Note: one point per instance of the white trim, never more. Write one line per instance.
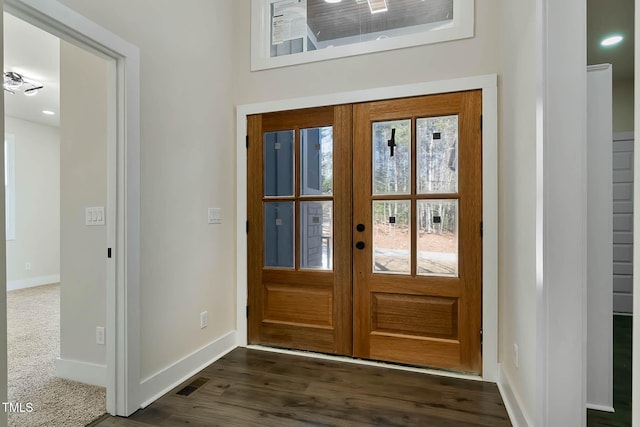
(354, 361)
(155, 386)
(512, 401)
(123, 293)
(601, 408)
(82, 372)
(561, 123)
(32, 282)
(488, 84)
(461, 27)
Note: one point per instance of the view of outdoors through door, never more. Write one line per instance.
(365, 230)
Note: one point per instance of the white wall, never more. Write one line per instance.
(187, 165)
(37, 173)
(83, 182)
(623, 105)
(442, 61)
(517, 177)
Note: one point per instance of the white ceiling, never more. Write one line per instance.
(36, 55)
(606, 17)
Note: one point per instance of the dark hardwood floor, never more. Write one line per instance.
(260, 388)
(622, 348)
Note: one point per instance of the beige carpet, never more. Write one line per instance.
(33, 340)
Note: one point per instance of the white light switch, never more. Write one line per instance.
(94, 216)
(214, 216)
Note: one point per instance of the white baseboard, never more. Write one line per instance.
(601, 408)
(83, 372)
(14, 285)
(512, 402)
(160, 383)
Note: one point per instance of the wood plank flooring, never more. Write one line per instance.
(259, 388)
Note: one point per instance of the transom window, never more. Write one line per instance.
(287, 32)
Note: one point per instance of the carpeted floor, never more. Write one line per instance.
(33, 340)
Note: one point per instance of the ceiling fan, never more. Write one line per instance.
(16, 82)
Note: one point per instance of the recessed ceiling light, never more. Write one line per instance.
(333, 1)
(48, 112)
(611, 40)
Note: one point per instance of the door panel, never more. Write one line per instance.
(417, 276)
(299, 211)
(364, 230)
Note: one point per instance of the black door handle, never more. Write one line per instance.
(360, 227)
(360, 245)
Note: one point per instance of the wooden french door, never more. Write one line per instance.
(399, 185)
(299, 236)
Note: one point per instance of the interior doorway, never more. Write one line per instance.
(389, 268)
(54, 366)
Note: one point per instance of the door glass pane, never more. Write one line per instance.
(438, 238)
(437, 146)
(392, 237)
(391, 157)
(278, 234)
(278, 163)
(316, 161)
(316, 235)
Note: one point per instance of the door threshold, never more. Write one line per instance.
(355, 361)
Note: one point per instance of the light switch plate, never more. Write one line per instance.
(214, 216)
(94, 215)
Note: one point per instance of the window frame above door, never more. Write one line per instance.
(462, 27)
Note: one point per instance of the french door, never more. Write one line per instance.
(365, 230)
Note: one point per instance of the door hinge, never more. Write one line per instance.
(481, 339)
(108, 252)
(247, 226)
(247, 141)
(481, 229)
(481, 122)
(247, 312)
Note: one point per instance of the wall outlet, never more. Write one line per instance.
(204, 319)
(27, 266)
(516, 356)
(100, 335)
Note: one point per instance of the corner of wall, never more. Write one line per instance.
(163, 381)
(515, 409)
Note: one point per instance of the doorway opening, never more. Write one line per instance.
(488, 364)
(57, 157)
(122, 210)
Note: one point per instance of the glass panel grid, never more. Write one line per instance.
(437, 154)
(437, 240)
(316, 235)
(316, 161)
(279, 163)
(391, 153)
(392, 237)
(279, 238)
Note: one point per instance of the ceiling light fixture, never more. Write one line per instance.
(48, 112)
(15, 82)
(333, 1)
(377, 6)
(611, 40)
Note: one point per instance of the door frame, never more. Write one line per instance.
(488, 85)
(123, 190)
